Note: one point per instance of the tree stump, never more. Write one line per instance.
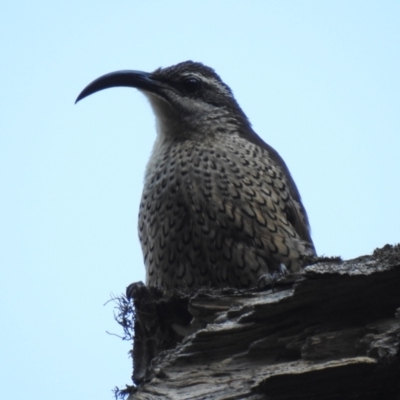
(333, 334)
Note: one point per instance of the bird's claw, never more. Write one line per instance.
(270, 279)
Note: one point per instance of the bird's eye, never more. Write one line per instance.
(191, 85)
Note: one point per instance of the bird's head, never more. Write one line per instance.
(186, 98)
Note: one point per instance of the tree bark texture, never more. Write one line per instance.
(332, 334)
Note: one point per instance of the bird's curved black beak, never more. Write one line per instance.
(127, 78)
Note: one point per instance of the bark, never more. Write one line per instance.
(333, 334)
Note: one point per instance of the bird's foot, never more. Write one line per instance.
(269, 280)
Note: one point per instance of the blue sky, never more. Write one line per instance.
(319, 81)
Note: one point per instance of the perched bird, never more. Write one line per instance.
(219, 207)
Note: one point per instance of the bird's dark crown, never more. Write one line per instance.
(190, 70)
(186, 67)
(196, 81)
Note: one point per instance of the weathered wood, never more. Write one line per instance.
(334, 334)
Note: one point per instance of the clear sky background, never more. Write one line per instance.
(319, 80)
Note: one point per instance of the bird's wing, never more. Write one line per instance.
(295, 211)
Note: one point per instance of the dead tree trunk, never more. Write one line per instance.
(334, 334)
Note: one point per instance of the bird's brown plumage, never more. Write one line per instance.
(219, 206)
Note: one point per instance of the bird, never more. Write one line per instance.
(219, 207)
